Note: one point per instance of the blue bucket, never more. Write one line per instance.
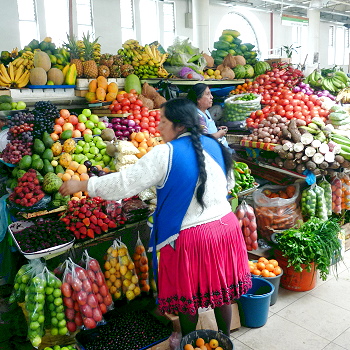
(254, 306)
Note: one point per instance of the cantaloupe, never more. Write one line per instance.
(42, 59)
(56, 76)
(38, 76)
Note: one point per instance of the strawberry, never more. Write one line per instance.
(112, 224)
(93, 219)
(83, 209)
(17, 201)
(93, 226)
(90, 233)
(83, 201)
(21, 195)
(98, 230)
(77, 235)
(79, 224)
(31, 186)
(83, 230)
(86, 221)
(81, 216)
(104, 227)
(28, 195)
(96, 212)
(102, 215)
(100, 222)
(40, 196)
(88, 213)
(36, 182)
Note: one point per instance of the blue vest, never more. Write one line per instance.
(174, 197)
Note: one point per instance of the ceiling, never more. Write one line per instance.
(330, 10)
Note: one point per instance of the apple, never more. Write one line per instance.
(94, 118)
(86, 112)
(88, 138)
(96, 131)
(101, 125)
(89, 124)
(21, 105)
(14, 105)
(82, 118)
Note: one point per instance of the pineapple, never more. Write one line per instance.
(115, 71)
(118, 60)
(104, 71)
(75, 51)
(89, 65)
(126, 69)
(106, 60)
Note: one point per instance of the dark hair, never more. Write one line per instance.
(183, 112)
(196, 92)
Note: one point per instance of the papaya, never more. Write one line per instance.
(132, 81)
(93, 85)
(65, 70)
(226, 37)
(71, 75)
(38, 146)
(100, 94)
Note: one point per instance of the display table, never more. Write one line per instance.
(191, 82)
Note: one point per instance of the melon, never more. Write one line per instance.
(239, 71)
(56, 76)
(42, 59)
(38, 76)
(132, 81)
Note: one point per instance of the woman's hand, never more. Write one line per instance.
(73, 186)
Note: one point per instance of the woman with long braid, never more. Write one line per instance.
(203, 259)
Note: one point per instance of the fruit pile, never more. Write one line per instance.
(143, 142)
(45, 233)
(101, 90)
(86, 217)
(20, 135)
(200, 344)
(264, 267)
(28, 191)
(45, 114)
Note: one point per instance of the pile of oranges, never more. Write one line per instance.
(143, 142)
(200, 344)
(264, 267)
(242, 89)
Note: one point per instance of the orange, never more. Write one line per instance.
(98, 166)
(60, 175)
(107, 265)
(82, 169)
(132, 135)
(112, 289)
(203, 347)
(273, 262)
(144, 268)
(123, 270)
(269, 267)
(200, 342)
(139, 137)
(107, 274)
(64, 113)
(135, 143)
(207, 346)
(263, 260)
(272, 274)
(277, 270)
(265, 273)
(140, 249)
(188, 347)
(251, 268)
(256, 272)
(112, 278)
(136, 257)
(260, 265)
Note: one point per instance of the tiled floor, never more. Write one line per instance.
(315, 320)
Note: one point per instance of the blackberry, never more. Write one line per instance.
(45, 114)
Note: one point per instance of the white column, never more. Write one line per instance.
(200, 13)
(314, 34)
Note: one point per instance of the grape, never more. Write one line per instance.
(45, 114)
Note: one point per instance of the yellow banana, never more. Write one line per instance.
(154, 54)
(163, 58)
(18, 61)
(24, 79)
(19, 73)
(11, 71)
(149, 51)
(5, 76)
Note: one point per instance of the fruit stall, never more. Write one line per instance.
(83, 277)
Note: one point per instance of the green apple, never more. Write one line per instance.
(98, 157)
(100, 145)
(94, 118)
(81, 143)
(101, 125)
(103, 151)
(98, 139)
(58, 301)
(60, 308)
(86, 112)
(21, 105)
(48, 348)
(82, 118)
(78, 149)
(94, 150)
(90, 125)
(96, 131)
(53, 313)
(106, 159)
(39, 298)
(13, 105)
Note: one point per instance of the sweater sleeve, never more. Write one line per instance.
(150, 170)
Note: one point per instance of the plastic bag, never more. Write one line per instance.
(336, 194)
(40, 205)
(237, 110)
(308, 202)
(130, 281)
(175, 340)
(22, 279)
(274, 214)
(112, 271)
(99, 285)
(141, 265)
(35, 300)
(327, 188)
(88, 303)
(72, 312)
(167, 90)
(246, 218)
(345, 179)
(321, 209)
(54, 308)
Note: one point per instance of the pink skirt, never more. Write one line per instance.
(208, 267)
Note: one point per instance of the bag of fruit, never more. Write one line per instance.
(337, 194)
(327, 188)
(86, 298)
(99, 285)
(54, 308)
(35, 300)
(112, 271)
(22, 279)
(129, 277)
(321, 209)
(141, 265)
(308, 202)
(246, 217)
(345, 180)
(72, 311)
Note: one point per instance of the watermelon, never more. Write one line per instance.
(239, 71)
(249, 71)
(261, 67)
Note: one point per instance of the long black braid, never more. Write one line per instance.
(183, 112)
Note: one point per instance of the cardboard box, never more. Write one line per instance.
(80, 93)
(277, 60)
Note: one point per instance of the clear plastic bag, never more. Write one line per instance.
(308, 202)
(237, 110)
(112, 271)
(54, 308)
(321, 209)
(336, 194)
(327, 188)
(99, 285)
(141, 265)
(246, 217)
(345, 179)
(130, 281)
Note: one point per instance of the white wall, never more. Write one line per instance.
(109, 30)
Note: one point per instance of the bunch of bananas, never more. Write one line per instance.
(14, 77)
(333, 82)
(314, 79)
(343, 96)
(146, 60)
(26, 60)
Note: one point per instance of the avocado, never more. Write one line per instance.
(48, 141)
(35, 156)
(67, 134)
(20, 173)
(38, 147)
(47, 154)
(25, 162)
(5, 99)
(37, 164)
(59, 169)
(48, 168)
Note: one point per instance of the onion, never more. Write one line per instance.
(131, 123)
(118, 133)
(122, 127)
(131, 130)
(137, 128)
(126, 133)
(115, 120)
(296, 89)
(302, 85)
(124, 121)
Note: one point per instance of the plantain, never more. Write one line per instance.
(4, 74)
(11, 71)
(19, 72)
(23, 80)
(163, 58)
(18, 61)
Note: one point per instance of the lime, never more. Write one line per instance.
(63, 331)
(54, 331)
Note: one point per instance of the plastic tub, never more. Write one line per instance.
(224, 341)
(254, 306)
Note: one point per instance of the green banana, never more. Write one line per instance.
(342, 76)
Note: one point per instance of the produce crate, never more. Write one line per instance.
(255, 144)
(278, 60)
(43, 212)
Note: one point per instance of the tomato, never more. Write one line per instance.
(103, 290)
(94, 287)
(94, 265)
(308, 120)
(89, 323)
(156, 122)
(66, 290)
(137, 116)
(110, 107)
(97, 314)
(139, 102)
(151, 118)
(71, 326)
(297, 108)
(131, 117)
(144, 114)
(152, 124)
(117, 106)
(266, 109)
(318, 102)
(77, 285)
(297, 115)
(137, 121)
(100, 279)
(152, 130)
(129, 95)
(92, 300)
(108, 299)
(78, 320)
(190, 76)
(136, 107)
(120, 112)
(103, 308)
(125, 102)
(152, 113)
(132, 99)
(70, 314)
(133, 91)
(289, 114)
(68, 302)
(126, 109)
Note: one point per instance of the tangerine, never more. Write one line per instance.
(269, 267)
(200, 342)
(188, 347)
(273, 262)
(260, 266)
(277, 270)
(263, 260)
(139, 137)
(256, 272)
(213, 343)
(265, 273)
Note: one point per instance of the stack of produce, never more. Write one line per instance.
(308, 90)
(313, 203)
(340, 119)
(7, 104)
(264, 267)
(101, 90)
(145, 61)
(15, 76)
(45, 114)
(87, 217)
(243, 178)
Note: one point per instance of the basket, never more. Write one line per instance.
(233, 139)
(207, 334)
